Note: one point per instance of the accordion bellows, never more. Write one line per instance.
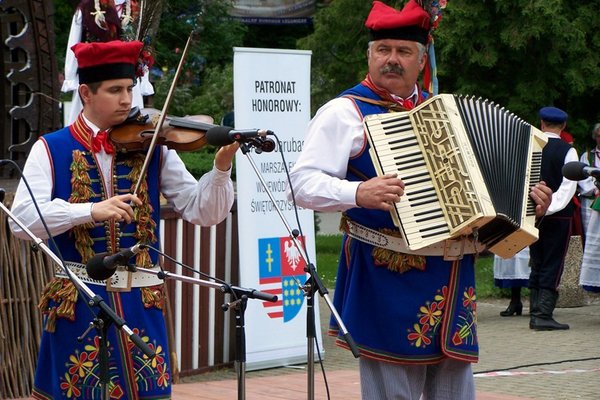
(468, 166)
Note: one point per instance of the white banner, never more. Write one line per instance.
(272, 91)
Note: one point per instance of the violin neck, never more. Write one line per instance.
(187, 123)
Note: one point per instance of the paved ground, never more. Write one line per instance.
(516, 363)
(541, 365)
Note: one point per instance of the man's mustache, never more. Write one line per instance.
(397, 69)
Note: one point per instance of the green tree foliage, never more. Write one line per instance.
(63, 14)
(215, 37)
(524, 54)
(211, 50)
(338, 46)
(521, 54)
(216, 93)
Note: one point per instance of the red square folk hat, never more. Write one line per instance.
(410, 23)
(101, 61)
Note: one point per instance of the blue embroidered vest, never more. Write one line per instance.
(110, 236)
(416, 316)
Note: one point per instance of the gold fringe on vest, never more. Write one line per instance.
(64, 294)
(143, 214)
(153, 296)
(81, 192)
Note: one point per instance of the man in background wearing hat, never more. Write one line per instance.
(84, 191)
(548, 253)
(412, 316)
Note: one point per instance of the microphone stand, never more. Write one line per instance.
(312, 285)
(101, 322)
(241, 296)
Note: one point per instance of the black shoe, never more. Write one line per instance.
(541, 319)
(543, 324)
(512, 309)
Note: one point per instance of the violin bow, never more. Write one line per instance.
(162, 116)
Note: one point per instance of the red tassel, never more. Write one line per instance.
(427, 78)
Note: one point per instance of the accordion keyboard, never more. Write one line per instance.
(398, 150)
(468, 166)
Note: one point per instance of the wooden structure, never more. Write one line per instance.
(23, 274)
(29, 94)
(202, 335)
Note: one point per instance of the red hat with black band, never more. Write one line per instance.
(411, 23)
(101, 61)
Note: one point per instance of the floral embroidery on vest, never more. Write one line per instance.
(153, 296)
(81, 381)
(82, 192)
(431, 315)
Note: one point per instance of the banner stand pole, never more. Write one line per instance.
(312, 285)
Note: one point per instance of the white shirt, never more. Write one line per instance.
(567, 188)
(587, 186)
(334, 136)
(204, 202)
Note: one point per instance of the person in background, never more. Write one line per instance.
(590, 209)
(577, 224)
(411, 314)
(103, 21)
(566, 136)
(512, 273)
(587, 189)
(84, 189)
(548, 253)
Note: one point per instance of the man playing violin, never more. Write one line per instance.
(84, 190)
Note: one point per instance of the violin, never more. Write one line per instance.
(158, 126)
(177, 133)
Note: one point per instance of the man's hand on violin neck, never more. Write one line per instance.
(118, 208)
(224, 156)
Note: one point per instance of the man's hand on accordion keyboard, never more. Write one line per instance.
(542, 196)
(380, 192)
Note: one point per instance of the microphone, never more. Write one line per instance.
(102, 266)
(577, 171)
(264, 144)
(224, 135)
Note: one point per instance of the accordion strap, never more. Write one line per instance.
(390, 105)
(451, 249)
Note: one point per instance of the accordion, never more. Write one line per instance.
(468, 166)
